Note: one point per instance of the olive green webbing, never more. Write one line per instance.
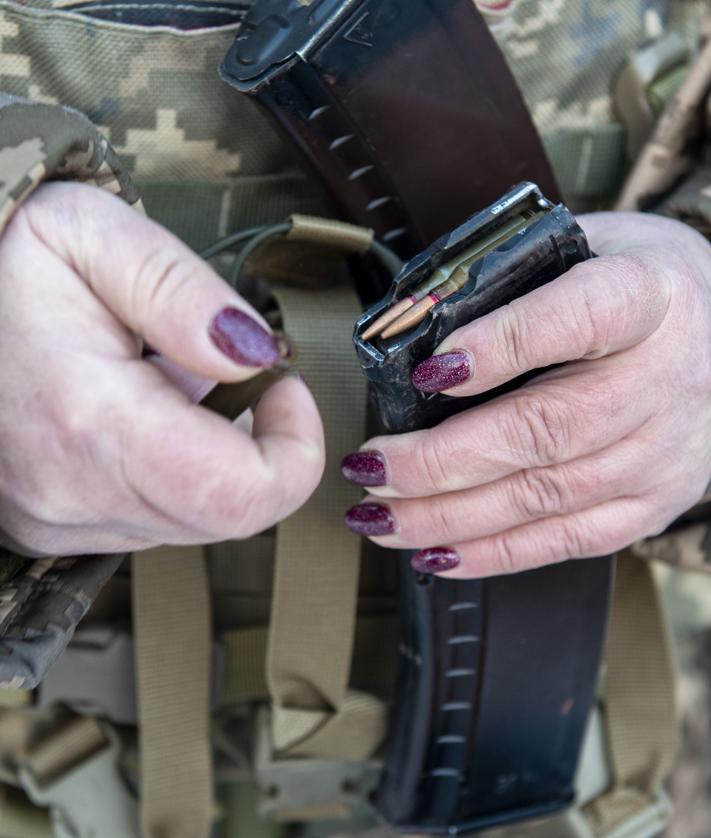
(21, 819)
(201, 212)
(313, 612)
(589, 161)
(173, 648)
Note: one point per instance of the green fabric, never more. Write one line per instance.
(589, 162)
(239, 802)
(664, 88)
(199, 212)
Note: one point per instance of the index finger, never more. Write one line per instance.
(599, 307)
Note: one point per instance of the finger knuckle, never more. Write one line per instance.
(239, 513)
(539, 493)
(76, 422)
(540, 427)
(513, 337)
(433, 461)
(593, 321)
(639, 285)
(575, 541)
(441, 518)
(505, 559)
(160, 276)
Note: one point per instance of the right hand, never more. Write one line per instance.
(100, 450)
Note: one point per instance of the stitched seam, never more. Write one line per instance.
(142, 7)
(135, 32)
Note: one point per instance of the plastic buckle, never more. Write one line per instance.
(632, 87)
(95, 675)
(320, 788)
(650, 822)
(90, 799)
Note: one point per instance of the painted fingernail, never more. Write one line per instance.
(366, 468)
(440, 372)
(243, 340)
(370, 519)
(435, 560)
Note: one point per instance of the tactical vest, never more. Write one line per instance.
(277, 655)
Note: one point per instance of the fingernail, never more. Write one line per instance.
(435, 560)
(243, 340)
(370, 519)
(440, 372)
(366, 468)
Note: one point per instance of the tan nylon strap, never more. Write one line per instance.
(317, 560)
(66, 747)
(330, 233)
(662, 160)
(310, 253)
(244, 676)
(639, 698)
(172, 629)
(354, 732)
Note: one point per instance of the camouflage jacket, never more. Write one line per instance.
(125, 96)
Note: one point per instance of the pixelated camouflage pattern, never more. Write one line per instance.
(40, 608)
(153, 93)
(564, 53)
(154, 107)
(42, 142)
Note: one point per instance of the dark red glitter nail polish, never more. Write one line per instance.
(435, 560)
(243, 340)
(371, 519)
(440, 372)
(366, 468)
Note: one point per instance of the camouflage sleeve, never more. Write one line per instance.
(686, 544)
(49, 142)
(42, 600)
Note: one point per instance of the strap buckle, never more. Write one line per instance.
(294, 788)
(95, 676)
(649, 822)
(89, 797)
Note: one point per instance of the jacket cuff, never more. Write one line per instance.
(40, 608)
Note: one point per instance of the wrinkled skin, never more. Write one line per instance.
(101, 450)
(586, 458)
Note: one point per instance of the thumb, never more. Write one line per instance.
(153, 283)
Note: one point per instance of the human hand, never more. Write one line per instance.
(585, 458)
(100, 451)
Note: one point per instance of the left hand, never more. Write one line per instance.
(582, 460)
